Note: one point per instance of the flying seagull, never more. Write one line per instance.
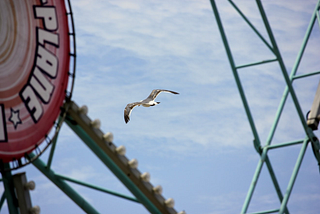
(149, 101)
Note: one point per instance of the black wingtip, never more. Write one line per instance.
(126, 119)
(173, 92)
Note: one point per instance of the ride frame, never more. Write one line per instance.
(263, 150)
(100, 144)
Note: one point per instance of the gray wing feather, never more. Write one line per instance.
(128, 110)
(156, 92)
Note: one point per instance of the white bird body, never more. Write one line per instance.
(149, 101)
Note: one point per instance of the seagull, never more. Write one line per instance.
(149, 101)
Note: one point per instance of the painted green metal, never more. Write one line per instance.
(113, 167)
(288, 90)
(97, 188)
(294, 176)
(9, 190)
(251, 25)
(293, 73)
(256, 140)
(3, 198)
(279, 145)
(72, 194)
(266, 212)
(107, 152)
(318, 17)
(275, 181)
(256, 63)
(54, 143)
(305, 75)
(254, 181)
(282, 66)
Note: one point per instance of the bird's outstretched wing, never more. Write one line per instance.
(155, 92)
(128, 109)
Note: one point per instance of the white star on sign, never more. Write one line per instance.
(14, 118)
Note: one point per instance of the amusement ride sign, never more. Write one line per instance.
(34, 66)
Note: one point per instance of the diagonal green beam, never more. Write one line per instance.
(294, 176)
(251, 25)
(254, 181)
(318, 17)
(9, 189)
(293, 73)
(256, 141)
(97, 188)
(54, 142)
(3, 198)
(305, 75)
(113, 167)
(118, 163)
(282, 66)
(73, 195)
(275, 182)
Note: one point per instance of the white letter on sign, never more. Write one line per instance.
(47, 62)
(48, 14)
(32, 103)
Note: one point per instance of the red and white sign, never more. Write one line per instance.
(34, 66)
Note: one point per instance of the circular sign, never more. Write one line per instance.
(34, 65)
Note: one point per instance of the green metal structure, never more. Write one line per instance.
(100, 144)
(111, 156)
(137, 183)
(263, 150)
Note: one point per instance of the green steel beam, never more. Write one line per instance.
(97, 188)
(275, 182)
(293, 73)
(289, 89)
(54, 142)
(254, 181)
(72, 194)
(256, 141)
(3, 198)
(266, 212)
(318, 17)
(305, 75)
(280, 145)
(251, 25)
(282, 66)
(9, 192)
(256, 63)
(263, 153)
(294, 176)
(81, 124)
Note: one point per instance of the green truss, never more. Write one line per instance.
(263, 150)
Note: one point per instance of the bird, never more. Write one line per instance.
(149, 101)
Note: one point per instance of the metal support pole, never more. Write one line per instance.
(294, 176)
(282, 66)
(3, 198)
(256, 140)
(292, 75)
(54, 143)
(97, 188)
(9, 189)
(73, 195)
(113, 167)
(275, 182)
(254, 181)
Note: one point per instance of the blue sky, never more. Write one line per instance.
(197, 145)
